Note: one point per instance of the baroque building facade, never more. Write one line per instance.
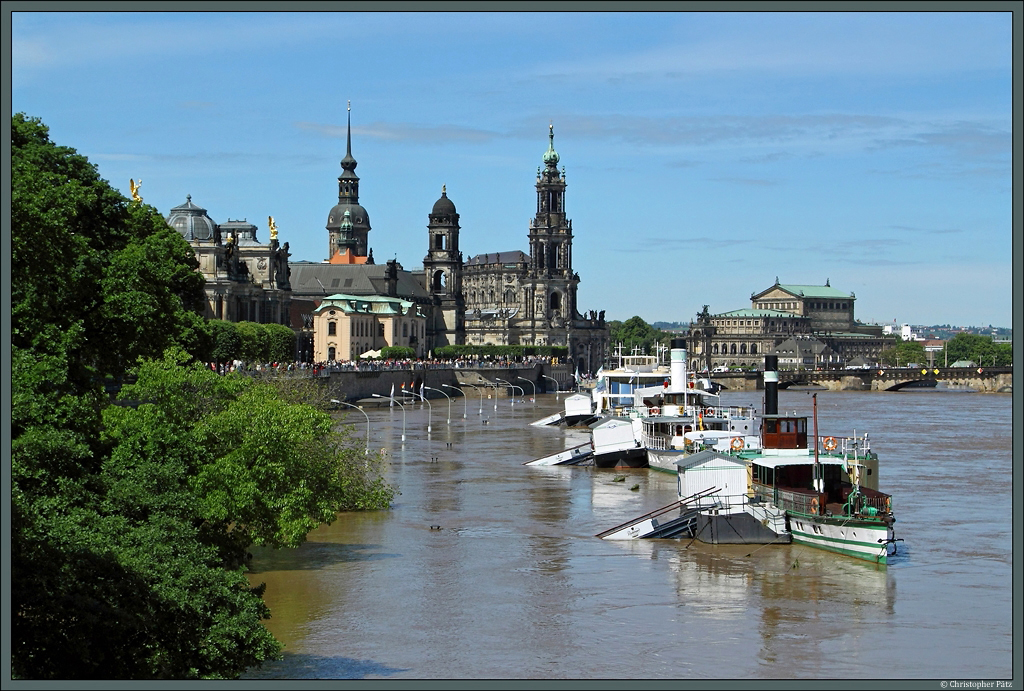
(246, 280)
(818, 319)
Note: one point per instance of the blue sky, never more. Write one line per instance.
(705, 153)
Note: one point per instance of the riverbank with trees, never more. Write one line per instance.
(131, 519)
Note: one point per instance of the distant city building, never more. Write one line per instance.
(347, 326)
(741, 338)
(905, 331)
(246, 280)
(805, 352)
(503, 298)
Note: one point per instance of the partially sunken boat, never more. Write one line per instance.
(823, 494)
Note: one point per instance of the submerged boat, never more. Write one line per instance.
(821, 491)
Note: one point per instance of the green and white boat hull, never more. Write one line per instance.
(870, 539)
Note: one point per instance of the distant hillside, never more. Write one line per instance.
(670, 326)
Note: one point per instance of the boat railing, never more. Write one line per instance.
(727, 412)
(848, 447)
(807, 501)
(656, 443)
(688, 503)
(870, 499)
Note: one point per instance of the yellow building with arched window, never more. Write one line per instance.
(346, 326)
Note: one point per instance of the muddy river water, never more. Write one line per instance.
(486, 569)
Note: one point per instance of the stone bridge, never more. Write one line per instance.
(982, 379)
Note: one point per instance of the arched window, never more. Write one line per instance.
(510, 296)
(714, 349)
(439, 242)
(753, 349)
(439, 282)
(405, 329)
(743, 348)
(732, 349)
(330, 353)
(332, 328)
(556, 302)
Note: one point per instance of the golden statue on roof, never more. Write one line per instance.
(134, 187)
(273, 227)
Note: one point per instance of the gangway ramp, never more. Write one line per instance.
(573, 456)
(656, 524)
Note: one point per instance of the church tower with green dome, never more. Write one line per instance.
(551, 275)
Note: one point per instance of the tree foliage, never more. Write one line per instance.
(903, 354)
(636, 333)
(978, 349)
(130, 522)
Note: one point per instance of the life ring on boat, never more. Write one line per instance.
(710, 412)
(655, 411)
(830, 443)
(814, 505)
(736, 443)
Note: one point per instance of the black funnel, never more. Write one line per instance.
(771, 384)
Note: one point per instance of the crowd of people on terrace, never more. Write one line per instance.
(373, 365)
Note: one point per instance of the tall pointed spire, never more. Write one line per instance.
(349, 163)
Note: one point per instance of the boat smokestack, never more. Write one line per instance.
(771, 384)
(678, 364)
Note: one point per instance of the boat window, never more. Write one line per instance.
(801, 425)
(769, 426)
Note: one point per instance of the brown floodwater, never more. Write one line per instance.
(487, 569)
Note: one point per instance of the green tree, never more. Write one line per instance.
(281, 343)
(636, 333)
(227, 346)
(127, 536)
(903, 354)
(253, 342)
(973, 347)
(397, 353)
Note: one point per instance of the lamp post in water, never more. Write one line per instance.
(465, 413)
(513, 396)
(377, 395)
(430, 409)
(431, 388)
(534, 397)
(556, 384)
(360, 409)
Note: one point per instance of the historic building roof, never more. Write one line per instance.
(443, 206)
(513, 257)
(192, 221)
(806, 291)
(318, 280)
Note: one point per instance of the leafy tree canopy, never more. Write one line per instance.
(130, 522)
(636, 333)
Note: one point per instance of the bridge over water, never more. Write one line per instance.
(982, 379)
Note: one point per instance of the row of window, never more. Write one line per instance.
(363, 328)
(731, 349)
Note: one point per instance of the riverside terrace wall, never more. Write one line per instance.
(352, 386)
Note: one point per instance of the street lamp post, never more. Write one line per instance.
(430, 410)
(556, 384)
(431, 388)
(360, 409)
(392, 398)
(531, 384)
(465, 413)
(510, 387)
